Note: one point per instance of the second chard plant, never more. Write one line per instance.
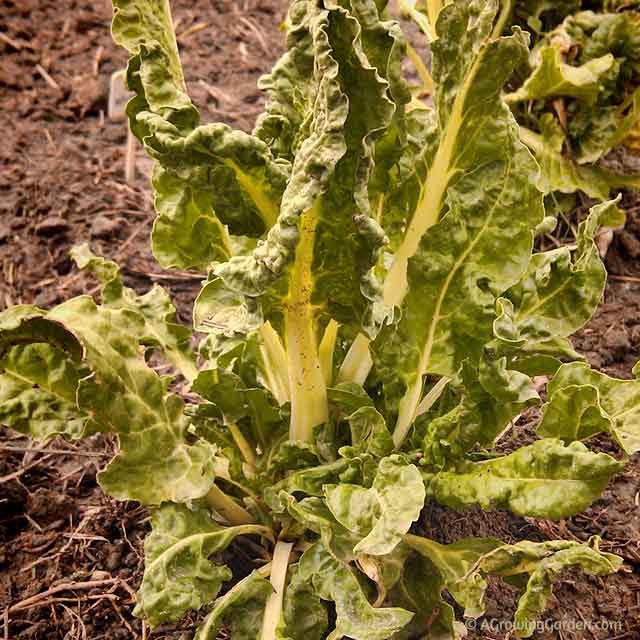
(373, 319)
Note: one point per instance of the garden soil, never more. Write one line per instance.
(71, 558)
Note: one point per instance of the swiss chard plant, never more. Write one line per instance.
(577, 95)
(372, 322)
(581, 92)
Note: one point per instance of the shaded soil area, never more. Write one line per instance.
(71, 557)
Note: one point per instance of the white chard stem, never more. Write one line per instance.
(357, 363)
(273, 609)
(274, 359)
(227, 507)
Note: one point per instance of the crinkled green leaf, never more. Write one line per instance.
(145, 28)
(38, 384)
(24, 324)
(478, 417)
(479, 201)
(453, 562)
(545, 479)
(179, 574)
(313, 514)
(543, 561)
(316, 261)
(305, 617)
(540, 14)
(588, 63)
(156, 462)
(227, 391)
(186, 234)
(289, 86)
(230, 170)
(155, 306)
(311, 481)
(369, 432)
(383, 513)
(348, 397)
(604, 128)
(552, 77)
(208, 176)
(220, 311)
(419, 590)
(385, 571)
(241, 609)
(584, 402)
(562, 173)
(464, 564)
(356, 618)
(560, 290)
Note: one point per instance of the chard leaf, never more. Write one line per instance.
(552, 77)
(348, 398)
(543, 561)
(311, 481)
(156, 463)
(453, 562)
(356, 618)
(145, 29)
(383, 513)
(369, 432)
(305, 617)
(178, 574)
(419, 590)
(241, 609)
(584, 402)
(445, 275)
(289, 86)
(539, 587)
(608, 126)
(562, 173)
(545, 480)
(228, 393)
(201, 171)
(38, 387)
(477, 418)
(464, 565)
(314, 515)
(560, 291)
(186, 234)
(230, 170)
(223, 312)
(155, 306)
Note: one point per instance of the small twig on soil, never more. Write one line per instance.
(97, 59)
(23, 470)
(117, 609)
(217, 94)
(183, 275)
(10, 41)
(47, 78)
(623, 278)
(134, 234)
(62, 452)
(258, 34)
(191, 30)
(49, 138)
(67, 586)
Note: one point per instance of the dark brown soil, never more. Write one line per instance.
(70, 557)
